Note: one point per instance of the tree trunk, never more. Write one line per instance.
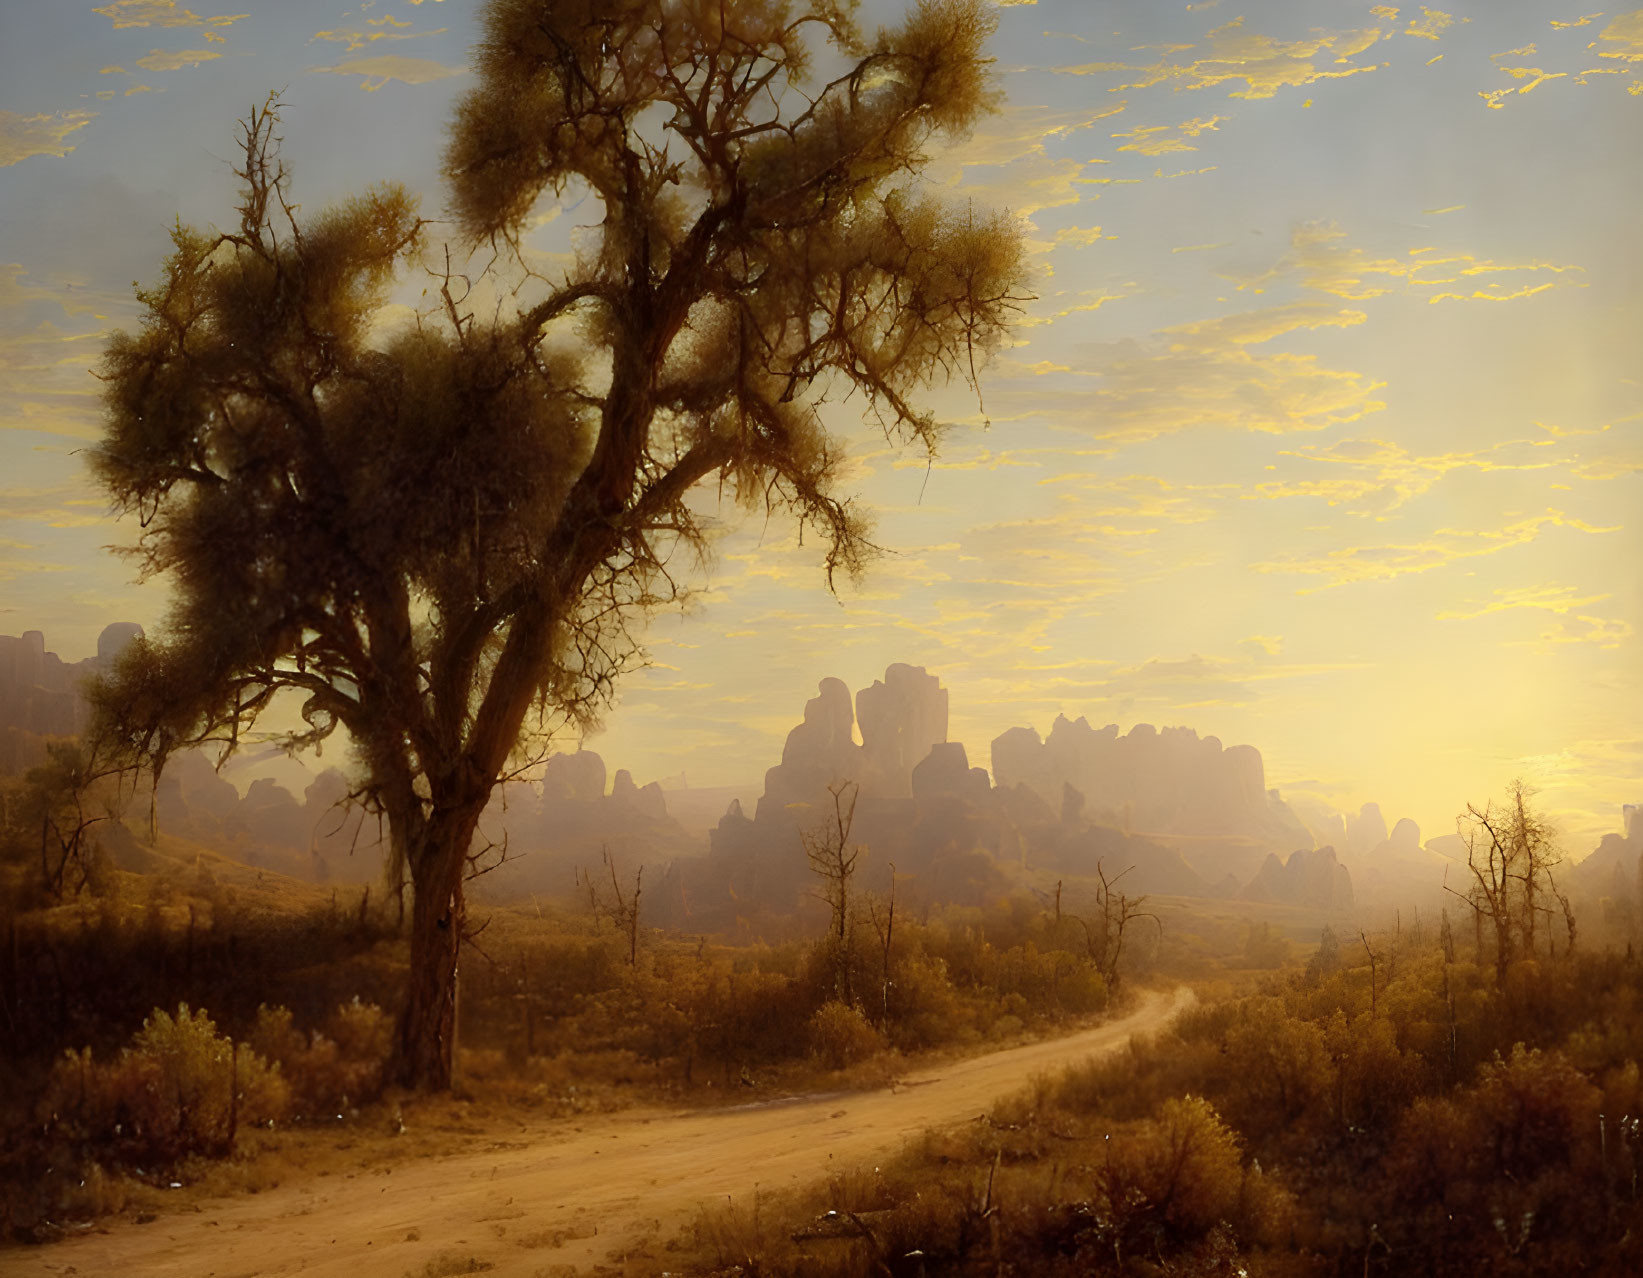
(426, 1045)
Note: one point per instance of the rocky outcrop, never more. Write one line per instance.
(579, 775)
(902, 717)
(648, 800)
(819, 752)
(1615, 867)
(1313, 878)
(40, 693)
(946, 773)
(1396, 867)
(269, 813)
(114, 639)
(1366, 830)
(1451, 847)
(1160, 782)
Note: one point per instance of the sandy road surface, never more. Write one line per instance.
(529, 1206)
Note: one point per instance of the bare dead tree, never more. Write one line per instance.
(1562, 899)
(834, 858)
(621, 908)
(1374, 961)
(1104, 937)
(1510, 853)
(884, 923)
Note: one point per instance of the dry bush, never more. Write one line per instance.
(180, 1088)
(331, 1069)
(925, 1009)
(841, 1036)
(1175, 1178)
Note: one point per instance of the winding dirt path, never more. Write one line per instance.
(531, 1207)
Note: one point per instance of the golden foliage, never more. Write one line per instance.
(179, 1088)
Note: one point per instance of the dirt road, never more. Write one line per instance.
(530, 1206)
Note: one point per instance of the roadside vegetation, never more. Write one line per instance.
(199, 1011)
(1403, 1101)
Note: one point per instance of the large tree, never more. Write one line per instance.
(440, 537)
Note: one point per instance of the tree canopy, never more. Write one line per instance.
(429, 532)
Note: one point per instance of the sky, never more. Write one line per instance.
(1324, 431)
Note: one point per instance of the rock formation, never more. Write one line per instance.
(1615, 867)
(820, 751)
(1313, 878)
(40, 692)
(946, 773)
(1158, 782)
(648, 800)
(902, 717)
(1451, 847)
(1366, 830)
(580, 775)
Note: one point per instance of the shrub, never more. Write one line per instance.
(329, 1070)
(1171, 1180)
(840, 1035)
(924, 1007)
(180, 1088)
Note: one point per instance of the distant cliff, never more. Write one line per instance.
(40, 692)
(1149, 781)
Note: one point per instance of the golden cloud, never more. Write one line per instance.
(45, 383)
(1431, 24)
(53, 506)
(1549, 598)
(1034, 183)
(1017, 133)
(1091, 299)
(160, 13)
(1147, 499)
(1382, 476)
(1262, 64)
(1161, 139)
(1347, 564)
(1611, 467)
(159, 60)
(392, 67)
(1320, 256)
(360, 39)
(24, 135)
(1209, 375)
(1079, 236)
(14, 566)
(1601, 632)
(73, 298)
(1625, 32)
